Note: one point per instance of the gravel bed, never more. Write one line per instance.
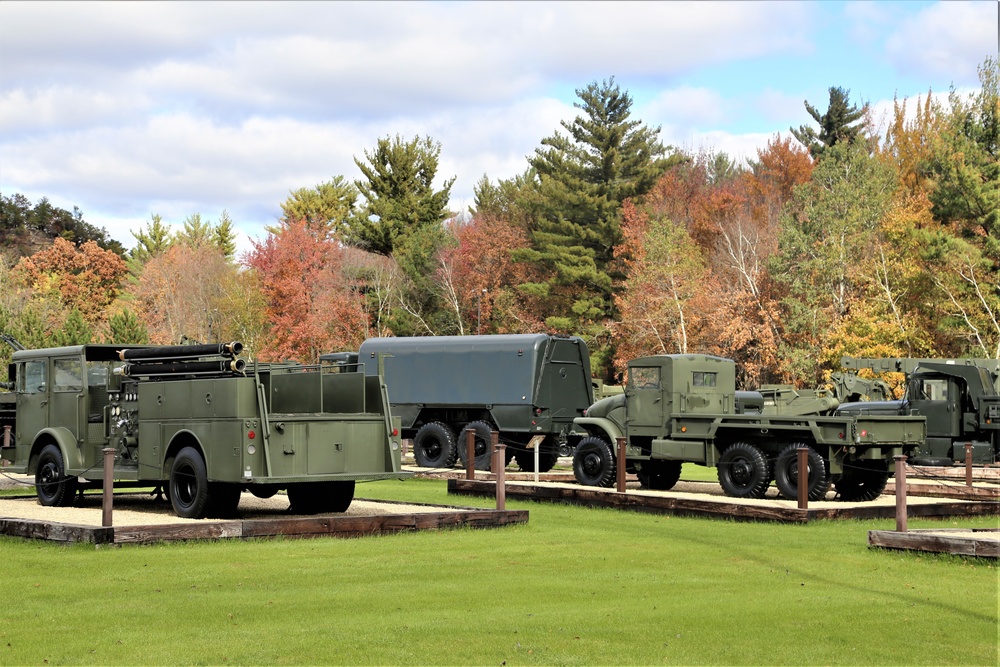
(142, 509)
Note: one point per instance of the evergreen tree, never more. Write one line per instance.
(966, 163)
(327, 206)
(74, 331)
(583, 178)
(399, 194)
(841, 122)
(224, 237)
(126, 328)
(152, 240)
(196, 232)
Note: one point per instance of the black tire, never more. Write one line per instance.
(434, 446)
(932, 462)
(263, 491)
(224, 499)
(53, 487)
(862, 481)
(659, 475)
(593, 463)
(743, 471)
(481, 445)
(189, 491)
(786, 473)
(321, 497)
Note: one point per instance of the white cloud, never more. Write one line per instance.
(686, 106)
(948, 38)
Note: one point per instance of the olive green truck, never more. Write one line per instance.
(198, 422)
(685, 408)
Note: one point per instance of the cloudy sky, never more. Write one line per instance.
(126, 109)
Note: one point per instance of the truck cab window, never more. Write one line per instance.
(644, 378)
(33, 378)
(703, 379)
(68, 375)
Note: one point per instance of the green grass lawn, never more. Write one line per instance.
(573, 586)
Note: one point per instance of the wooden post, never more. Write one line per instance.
(968, 464)
(6, 435)
(407, 446)
(621, 465)
(470, 453)
(900, 493)
(499, 461)
(803, 478)
(109, 486)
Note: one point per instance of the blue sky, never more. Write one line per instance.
(126, 109)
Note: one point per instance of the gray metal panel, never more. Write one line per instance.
(457, 370)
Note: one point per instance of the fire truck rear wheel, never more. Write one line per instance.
(189, 484)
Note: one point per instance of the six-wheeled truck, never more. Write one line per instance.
(529, 387)
(200, 423)
(959, 398)
(685, 408)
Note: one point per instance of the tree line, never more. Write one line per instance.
(837, 240)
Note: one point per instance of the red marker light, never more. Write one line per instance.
(251, 435)
(395, 431)
(864, 433)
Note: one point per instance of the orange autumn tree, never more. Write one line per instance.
(311, 305)
(663, 296)
(179, 294)
(87, 279)
(478, 278)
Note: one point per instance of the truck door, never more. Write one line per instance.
(940, 399)
(32, 402)
(67, 396)
(644, 397)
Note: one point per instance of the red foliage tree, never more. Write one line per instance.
(311, 306)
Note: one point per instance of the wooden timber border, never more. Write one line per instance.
(287, 526)
(978, 542)
(663, 502)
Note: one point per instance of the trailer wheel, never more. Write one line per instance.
(189, 484)
(786, 473)
(861, 483)
(481, 444)
(659, 475)
(53, 487)
(593, 463)
(743, 471)
(320, 497)
(434, 446)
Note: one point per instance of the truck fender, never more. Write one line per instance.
(64, 440)
(178, 441)
(601, 427)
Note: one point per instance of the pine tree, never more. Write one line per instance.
(399, 194)
(224, 236)
(583, 178)
(841, 122)
(125, 327)
(329, 205)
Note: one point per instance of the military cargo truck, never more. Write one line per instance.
(685, 408)
(959, 399)
(529, 387)
(199, 422)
